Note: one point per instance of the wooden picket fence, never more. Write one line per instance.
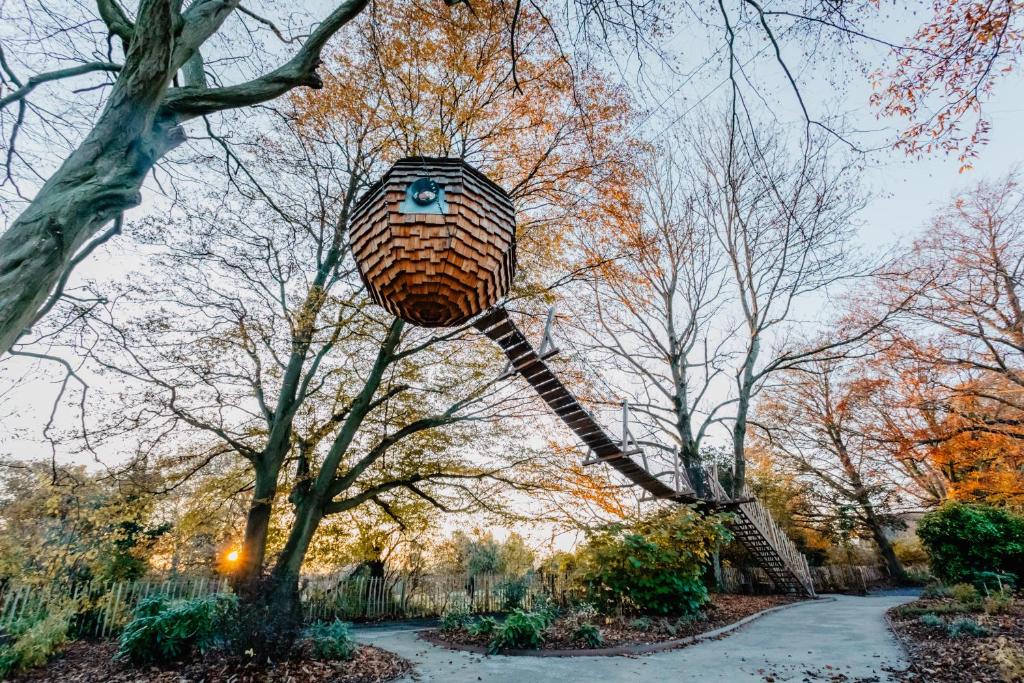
(100, 609)
(413, 596)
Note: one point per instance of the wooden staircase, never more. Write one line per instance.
(756, 530)
(753, 525)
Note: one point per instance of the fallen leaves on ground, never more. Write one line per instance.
(937, 657)
(90, 662)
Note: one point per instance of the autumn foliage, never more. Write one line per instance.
(946, 70)
(950, 387)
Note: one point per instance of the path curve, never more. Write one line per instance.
(814, 641)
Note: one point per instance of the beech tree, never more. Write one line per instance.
(163, 64)
(949, 379)
(141, 121)
(964, 329)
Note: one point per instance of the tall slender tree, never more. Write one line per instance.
(697, 284)
(814, 419)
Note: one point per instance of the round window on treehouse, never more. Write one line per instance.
(434, 240)
(424, 191)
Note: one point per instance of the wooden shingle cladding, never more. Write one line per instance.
(431, 269)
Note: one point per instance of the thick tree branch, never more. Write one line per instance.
(186, 103)
(116, 20)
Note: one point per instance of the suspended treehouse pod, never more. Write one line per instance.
(435, 244)
(435, 241)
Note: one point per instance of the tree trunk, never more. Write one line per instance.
(885, 549)
(271, 605)
(100, 180)
(863, 499)
(96, 183)
(739, 440)
(257, 524)
(739, 429)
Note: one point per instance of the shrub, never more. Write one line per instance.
(993, 581)
(515, 592)
(641, 624)
(931, 620)
(589, 635)
(484, 626)
(32, 643)
(965, 626)
(547, 608)
(965, 540)
(455, 618)
(998, 603)
(581, 614)
(936, 590)
(520, 631)
(330, 640)
(945, 608)
(654, 565)
(163, 630)
(965, 593)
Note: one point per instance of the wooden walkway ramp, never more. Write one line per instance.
(753, 527)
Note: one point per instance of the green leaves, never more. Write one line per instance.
(973, 543)
(520, 631)
(589, 635)
(330, 640)
(163, 630)
(654, 564)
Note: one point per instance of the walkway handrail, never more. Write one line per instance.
(525, 360)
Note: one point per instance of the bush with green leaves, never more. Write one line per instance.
(589, 635)
(965, 626)
(514, 591)
(455, 618)
(641, 624)
(932, 620)
(654, 565)
(936, 590)
(967, 542)
(520, 631)
(484, 626)
(164, 630)
(993, 581)
(547, 608)
(330, 640)
(30, 643)
(965, 593)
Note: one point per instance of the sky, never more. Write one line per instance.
(904, 192)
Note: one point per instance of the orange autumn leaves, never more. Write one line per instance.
(946, 70)
(949, 385)
(420, 77)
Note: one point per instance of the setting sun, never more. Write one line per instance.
(233, 556)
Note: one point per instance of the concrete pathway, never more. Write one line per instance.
(843, 640)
